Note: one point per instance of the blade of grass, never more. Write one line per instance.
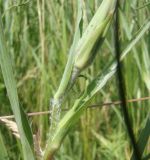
(121, 85)
(68, 69)
(57, 100)
(143, 138)
(20, 116)
(3, 150)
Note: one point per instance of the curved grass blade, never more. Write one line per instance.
(20, 116)
(68, 69)
(57, 100)
(79, 106)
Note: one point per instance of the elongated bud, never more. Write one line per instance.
(94, 35)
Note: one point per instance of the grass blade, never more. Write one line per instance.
(20, 117)
(57, 100)
(68, 69)
(143, 138)
(3, 150)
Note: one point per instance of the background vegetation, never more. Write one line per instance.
(39, 34)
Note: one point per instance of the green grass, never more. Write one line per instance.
(38, 36)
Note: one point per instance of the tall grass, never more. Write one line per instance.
(20, 117)
(36, 38)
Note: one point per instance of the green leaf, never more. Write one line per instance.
(20, 116)
(65, 81)
(68, 69)
(3, 150)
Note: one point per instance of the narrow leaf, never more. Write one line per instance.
(143, 138)
(3, 150)
(65, 81)
(20, 117)
(68, 69)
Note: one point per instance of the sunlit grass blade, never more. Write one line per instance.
(57, 100)
(68, 69)
(20, 116)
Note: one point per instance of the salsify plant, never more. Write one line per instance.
(79, 106)
(82, 53)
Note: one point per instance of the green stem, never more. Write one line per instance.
(63, 127)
